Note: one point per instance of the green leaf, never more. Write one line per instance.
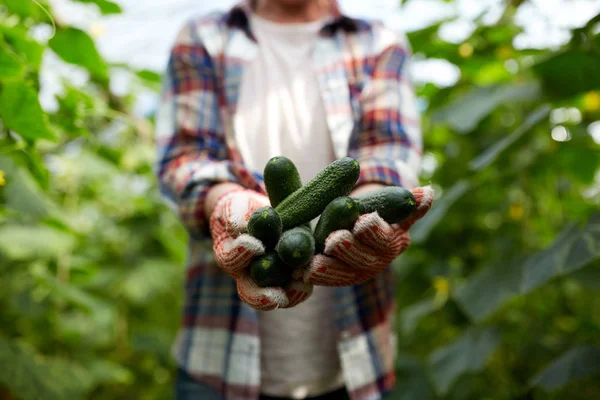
(151, 340)
(571, 251)
(33, 377)
(577, 363)
(588, 277)
(19, 242)
(21, 111)
(80, 298)
(550, 262)
(21, 8)
(106, 372)
(412, 382)
(569, 73)
(421, 229)
(465, 113)
(586, 246)
(17, 37)
(492, 153)
(92, 328)
(22, 193)
(149, 76)
(75, 109)
(427, 41)
(77, 47)
(148, 280)
(467, 354)
(577, 158)
(106, 7)
(411, 315)
(10, 65)
(485, 291)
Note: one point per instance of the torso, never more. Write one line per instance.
(280, 113)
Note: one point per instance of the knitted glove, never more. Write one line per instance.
(234, 249)
(354, 257)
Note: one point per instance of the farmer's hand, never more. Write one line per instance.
(354, 257)
(234, 249)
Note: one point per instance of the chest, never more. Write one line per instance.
(339, 72)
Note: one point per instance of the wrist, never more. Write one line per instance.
(216, 193)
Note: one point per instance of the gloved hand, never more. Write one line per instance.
(354, 257)
(234, 249)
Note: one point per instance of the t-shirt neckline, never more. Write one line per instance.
(286, 28)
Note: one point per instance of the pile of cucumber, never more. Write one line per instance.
(284, 227)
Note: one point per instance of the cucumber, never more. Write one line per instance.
(341, 213)
(281, 179)
(393, 203)
(296, 246)
(308, 202)
(265, 225)
(268, 270)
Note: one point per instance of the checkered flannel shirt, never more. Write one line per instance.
(371, 116)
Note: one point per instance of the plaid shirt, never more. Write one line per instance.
(372, 117)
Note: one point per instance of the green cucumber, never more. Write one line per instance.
(265, 225)
(268, 270)
(281, 179)
(296, 246)
(393, 203)
(341, 213)
(308, 202)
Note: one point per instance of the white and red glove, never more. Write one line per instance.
(234, 250)
(354, 257)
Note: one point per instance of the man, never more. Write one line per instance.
(292, 78)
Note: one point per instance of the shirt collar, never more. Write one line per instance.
(238, 17)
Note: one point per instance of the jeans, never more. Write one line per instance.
(187, 388)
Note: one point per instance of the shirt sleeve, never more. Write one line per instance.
(388, 142)
(192, 154)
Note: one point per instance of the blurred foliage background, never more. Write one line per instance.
(498, 296)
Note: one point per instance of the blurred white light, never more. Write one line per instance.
(494, 12)
(120, 82)
(547, 23)
(565, 13)
(413, 15)
(558, 116)
(593, 192)
(574, 115)
(131, 37)
(439, 72)
(428, 165)
(422, 104)
(527, 61)
(560, 134)
(139, 185)
(55, 164)
(53, 74)
(438, 191)
(96, 30)
(594, 131)
(42, 33)
(511, 66)
(457, 31)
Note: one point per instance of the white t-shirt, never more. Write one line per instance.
(280, 113)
